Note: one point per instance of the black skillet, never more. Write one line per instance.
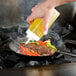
(14, 46)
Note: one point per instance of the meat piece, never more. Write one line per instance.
(42, 50)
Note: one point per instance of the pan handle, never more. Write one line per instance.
(66, 53)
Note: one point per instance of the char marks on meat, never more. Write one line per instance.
(42, 50)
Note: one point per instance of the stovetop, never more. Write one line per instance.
(9, 59)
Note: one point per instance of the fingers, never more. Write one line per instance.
(30, 18)
(46, 20)
(37, 11)
(43, 11)
(34, 15)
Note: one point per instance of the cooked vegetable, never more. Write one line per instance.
(28, 52)
(41, 43)
(38, 48)
(48, 44)
(34, 53)
(35, 42)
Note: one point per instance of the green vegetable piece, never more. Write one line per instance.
(34, 42)
(48, 44)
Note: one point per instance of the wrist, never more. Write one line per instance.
(54, 3)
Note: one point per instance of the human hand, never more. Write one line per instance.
(43, 10)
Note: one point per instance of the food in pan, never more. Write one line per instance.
(37, 48)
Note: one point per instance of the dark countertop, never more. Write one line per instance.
(52, 70)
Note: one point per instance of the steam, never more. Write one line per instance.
(9, 13)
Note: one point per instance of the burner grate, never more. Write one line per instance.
(9, 59)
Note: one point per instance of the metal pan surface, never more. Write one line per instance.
(14, 46)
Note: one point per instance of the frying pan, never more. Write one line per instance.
(14, 46)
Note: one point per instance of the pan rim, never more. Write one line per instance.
(13, 48)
